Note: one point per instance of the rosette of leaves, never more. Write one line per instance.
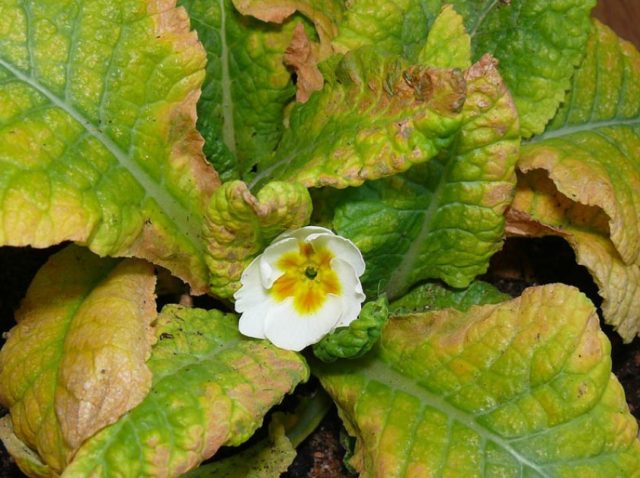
(99, 145)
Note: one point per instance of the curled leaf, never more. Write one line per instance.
(240, 225)
(539, 209)
(522, 388)
(359, 337)
(301, 57)
(28, 461)
(581, 176)
(595, 136)
(84, 329)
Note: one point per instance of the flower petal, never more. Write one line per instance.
(287, 329)
(302, 233)
(251, 301)
(342, 248)
(251, 293)
(251, 322)
(352, 295)
(269, 270)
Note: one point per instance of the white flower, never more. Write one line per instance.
(303, 286)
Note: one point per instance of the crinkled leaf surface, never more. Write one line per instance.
(584, 176)
(239, 226)
(247, 85)
(448, 43)
(211, 387)
(359, 337)
(538, 42)
(97, 130)
(434, 296)
(75, 361)
(443, 219)
(399, 26)
(376, 116)
(28, 461)
(523, 388)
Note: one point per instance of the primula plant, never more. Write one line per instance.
(334, 175)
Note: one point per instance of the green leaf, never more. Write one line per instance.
(443, 219)
(448, 44)
(523, 388)
(84, 331)
(399, 27)
(246, 88)
(239, 226)
(538, 42)
(211, 387)
(359, 337)
(28, 461)
(583, 176)
(376, 116)
(97, 130)
(433, 296)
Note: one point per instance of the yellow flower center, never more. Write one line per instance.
(308, 278)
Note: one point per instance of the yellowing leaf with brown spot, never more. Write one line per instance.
(75, 362)
(582, 178)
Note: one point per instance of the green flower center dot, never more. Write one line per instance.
(311, 272)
